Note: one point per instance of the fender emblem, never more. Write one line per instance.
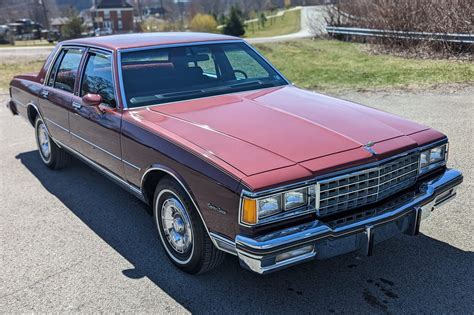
(368, 147)
(212, 207)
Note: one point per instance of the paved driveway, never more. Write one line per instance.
(73, 241)
(312, 23)
(30, 52)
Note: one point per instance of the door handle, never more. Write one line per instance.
(44, 93)
(76, 105)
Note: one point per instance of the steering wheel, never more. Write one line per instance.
(242, 72)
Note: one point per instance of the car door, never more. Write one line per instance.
(56, 95)
(95, 130)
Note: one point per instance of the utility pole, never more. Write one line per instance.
(181, 14)
(140, 14)
(162, 9)
(45, 11)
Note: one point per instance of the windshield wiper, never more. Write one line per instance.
(237, 86)
(180, 93)
(207, 91)
(246, 84)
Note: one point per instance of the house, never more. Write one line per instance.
(115, 15)
(56, 24)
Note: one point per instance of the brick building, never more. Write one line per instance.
(116, 15)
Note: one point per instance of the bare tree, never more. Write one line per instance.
(431, 16)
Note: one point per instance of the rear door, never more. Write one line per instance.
(56, 95)
(95, 131)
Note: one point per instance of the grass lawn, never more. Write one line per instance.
(333, 65)
(286, 24)
(9, 68)
(326, 65)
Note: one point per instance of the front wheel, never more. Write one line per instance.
(181, 230)
(52, 156)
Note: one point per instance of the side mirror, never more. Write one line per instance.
(92, 100)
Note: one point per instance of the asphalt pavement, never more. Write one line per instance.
(71, 240)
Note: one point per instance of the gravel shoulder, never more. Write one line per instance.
(73, 241)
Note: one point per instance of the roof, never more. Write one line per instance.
(109, 4)
(59, 21)
(124, 41)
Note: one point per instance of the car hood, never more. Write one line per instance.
(262, 130)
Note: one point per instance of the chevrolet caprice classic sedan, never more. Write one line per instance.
(230, 156)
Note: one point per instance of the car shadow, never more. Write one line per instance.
(405, 274)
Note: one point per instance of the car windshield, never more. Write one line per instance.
(160, 75)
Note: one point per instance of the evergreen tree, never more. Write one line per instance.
(73, 27)
(262, 19)
(235, 24)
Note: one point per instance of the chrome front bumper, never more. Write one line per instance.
(318, 240)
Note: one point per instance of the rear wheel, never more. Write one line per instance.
(181, 230)
(52, 156)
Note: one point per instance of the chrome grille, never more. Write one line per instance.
(367, 186)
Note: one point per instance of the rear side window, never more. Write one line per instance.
(54, 70)
(97, 78)
(64, 73)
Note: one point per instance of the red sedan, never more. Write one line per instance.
(230, 156)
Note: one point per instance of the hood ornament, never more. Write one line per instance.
(368, 147)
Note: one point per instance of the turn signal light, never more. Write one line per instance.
(249, 211)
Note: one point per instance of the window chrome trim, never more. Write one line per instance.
(316, 180)
(60, 47)
(229, 41)
(223, 41)
(51, 65)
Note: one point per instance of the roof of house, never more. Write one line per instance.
(113, 4)
(124, 41)
(58, 21)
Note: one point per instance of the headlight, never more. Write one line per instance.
(262, 209)
(432, 158)
(269, 206)
(295, 198)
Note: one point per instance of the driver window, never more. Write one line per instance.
(244, 65)
(97, 78)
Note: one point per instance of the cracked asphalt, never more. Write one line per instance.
(71, 240)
